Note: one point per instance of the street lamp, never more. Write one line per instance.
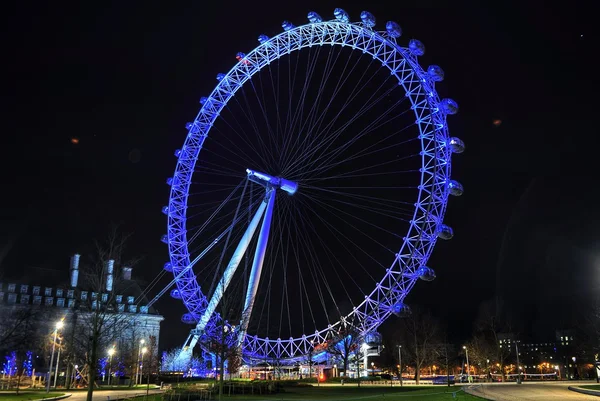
(373, 368)
(468, 367)
(57, 363)
(59, 325)
(137, 371)
(111, 352)
(400, 364)
(144, 350)
(489, 370)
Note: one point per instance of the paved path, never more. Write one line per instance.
(103, 395)
(556, 391)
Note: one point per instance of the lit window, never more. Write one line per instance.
(59, 293)
(144, 309)
(36, 290)
(24, 289)
(94, 304)
(24, 299)
(60, 302)
(47, 291)
(11, 287)
(49, 301)
(70, 293)
(119, 299)
(132, 308)
(12, 298)
(129, 300)
(1, 295)
(71, 303)
(571, 338)
(94, 296)
(37, 299)
(121, 308)
(104, 297)
(84, 295)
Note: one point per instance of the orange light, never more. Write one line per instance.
(497, 122)
(74, 141)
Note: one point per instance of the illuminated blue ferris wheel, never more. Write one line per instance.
(311, 188)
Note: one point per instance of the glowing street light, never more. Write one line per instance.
(59, 325)
(137, 371)
(468, 367)
(111, 352)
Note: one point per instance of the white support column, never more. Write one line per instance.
(231, 268)
(257, 264)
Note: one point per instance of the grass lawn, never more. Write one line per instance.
(339, 393)
(26, 395)
(591, 387)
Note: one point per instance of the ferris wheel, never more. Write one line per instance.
(311, 188)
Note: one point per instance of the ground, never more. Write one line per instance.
(530, 391)
(26, 395)
(339, 393)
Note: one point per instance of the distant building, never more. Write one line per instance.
(57, 297)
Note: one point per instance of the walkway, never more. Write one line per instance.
(528, 391)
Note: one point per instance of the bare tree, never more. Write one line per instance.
(491, 329)
(420, 336)
(97, 321)
(346, 342)
(19, 328)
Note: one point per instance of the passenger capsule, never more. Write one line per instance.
(393, 29)
(436, 73)
(368, 19)
(176, 294)
(220, 76)
(188, 318)
(445, 232)
(165, 210)
(416, 47)
(314, 18)
(426, 273)
(240, 56)
(456, 145)
(168, 267)
(373, 339)
(287, 26)
(263, 38)
(177, 152)
(341, 15)
(170, 181)
(203, 100)
(401, 310)
(449, 106)
(455, 188)
(165, 239)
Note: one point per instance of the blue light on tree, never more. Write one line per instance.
(10, 365)
(28, 363)
(102, 362)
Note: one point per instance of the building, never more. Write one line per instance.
(47, 297)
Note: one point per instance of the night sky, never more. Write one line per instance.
(124, 78)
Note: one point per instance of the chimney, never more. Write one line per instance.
(126, 273)
(74, 270)
(110, 264)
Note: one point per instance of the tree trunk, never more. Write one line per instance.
(92, 361)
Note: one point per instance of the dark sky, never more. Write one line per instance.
(125, 77)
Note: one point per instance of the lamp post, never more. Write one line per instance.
(518, 364)
(110, 354)
(137, 370)
(148, 384)
(468, 367)
(59, 325)
(373, 369)
(400, 364)
(489, 370)
(57, 363)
